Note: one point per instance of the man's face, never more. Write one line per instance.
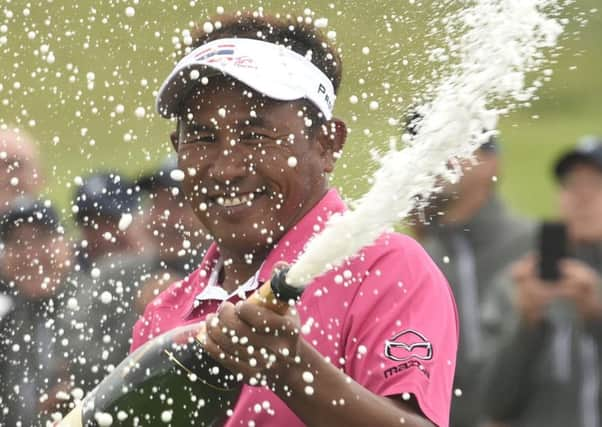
(36, 259)
(252, 165)
(477, 177)
(103, 236)
(581, 202)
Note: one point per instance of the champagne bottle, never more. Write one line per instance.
(171, 380)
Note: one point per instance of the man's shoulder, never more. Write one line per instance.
(397, 245)
(392, 242)
(399, 258)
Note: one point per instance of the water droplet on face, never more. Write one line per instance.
(292, 161)
(308, 377)
(195, 74)
(177, 175)
(221, 112)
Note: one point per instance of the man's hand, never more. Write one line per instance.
(582, 285)
(253, 341)
(533, 295)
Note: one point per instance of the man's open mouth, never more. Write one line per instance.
(238, 199)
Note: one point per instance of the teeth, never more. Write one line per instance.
(235, 201)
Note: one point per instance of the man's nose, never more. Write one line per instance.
(229, 164)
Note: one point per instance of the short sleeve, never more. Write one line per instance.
(402, 333)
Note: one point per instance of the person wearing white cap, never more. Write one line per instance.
(256, 139)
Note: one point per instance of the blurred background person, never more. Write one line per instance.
(114, 257)
(20, 169)
(177, 235)
(472, 235)
(36, 263)
(105, 208)
(546, 370)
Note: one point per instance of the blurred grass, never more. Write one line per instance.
(130, 56)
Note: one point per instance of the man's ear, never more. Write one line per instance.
(174, 139)
(332, 138)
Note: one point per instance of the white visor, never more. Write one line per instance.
(272, 70)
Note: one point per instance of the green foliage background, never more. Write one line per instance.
(79, 130)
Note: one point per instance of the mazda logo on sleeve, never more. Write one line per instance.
(408, 344)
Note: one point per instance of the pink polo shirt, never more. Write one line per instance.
(387, 318)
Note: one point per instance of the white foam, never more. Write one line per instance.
(496, 43)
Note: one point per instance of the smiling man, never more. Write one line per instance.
(370, 343)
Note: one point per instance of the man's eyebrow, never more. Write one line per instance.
(202, 127)
(255, 122)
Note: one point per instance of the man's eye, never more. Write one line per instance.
(253, 136)
(196, 137)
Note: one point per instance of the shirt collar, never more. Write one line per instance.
(213, 291)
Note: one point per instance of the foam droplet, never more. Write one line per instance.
(166, 416)
(106, 297)
(308, 377)
(208, 27)
(177, 175)
(125, 221)
(103, 419)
